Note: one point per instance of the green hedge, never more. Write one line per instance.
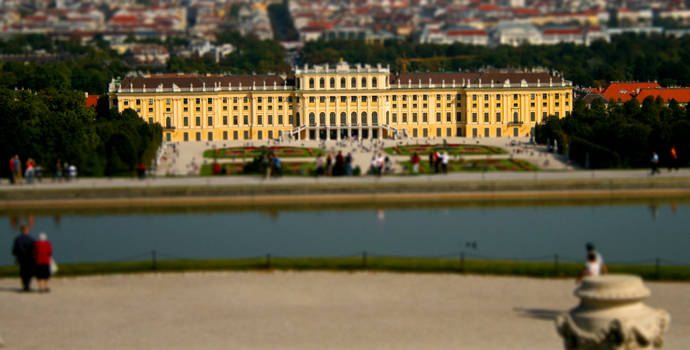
(399, 264)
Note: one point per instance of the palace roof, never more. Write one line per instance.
(167, 81)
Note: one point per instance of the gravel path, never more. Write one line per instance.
(302, 310)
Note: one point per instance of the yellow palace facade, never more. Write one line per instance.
(345, 101)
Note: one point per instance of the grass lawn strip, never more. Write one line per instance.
(400, 264)
(476, 165)
(289, 168)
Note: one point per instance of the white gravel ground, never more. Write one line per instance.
(302, 310)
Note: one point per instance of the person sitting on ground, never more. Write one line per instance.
(593, 267)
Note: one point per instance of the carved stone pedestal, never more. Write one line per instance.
(612, 316)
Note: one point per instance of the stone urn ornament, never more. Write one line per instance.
(612, 316)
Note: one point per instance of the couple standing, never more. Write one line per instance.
(34, 258)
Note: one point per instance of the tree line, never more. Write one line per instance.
(90, 68)
(627, 57)
(620, 135)
(55, 124)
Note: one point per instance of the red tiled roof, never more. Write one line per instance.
(681, 95)
(124, 19)
(466, 32)
(525, 11)
(488, 8)
(91, 100)
(623, 92)
(562, 31)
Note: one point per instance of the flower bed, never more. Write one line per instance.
(251, 152)
(452, 149)
(476, 165)
(288, 169)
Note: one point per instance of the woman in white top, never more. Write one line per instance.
(593, 267)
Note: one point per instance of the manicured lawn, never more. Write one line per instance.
(250, 152)
(476, 165)
(452, 149)
(400, 264)
(289, 169)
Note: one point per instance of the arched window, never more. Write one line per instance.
(167, 123)
(331, 118)
(322, 83)
(374, 83)
(364, 118)
(374, 118)
(343, 83)
(311, 83)
(515, 117)
(353, 118)
(343, 118)
(312, 119)
(322, 118)
(353, 83)
(332, 83)
(297, 119)
(364, 82)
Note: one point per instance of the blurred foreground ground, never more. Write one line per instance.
(303, 310)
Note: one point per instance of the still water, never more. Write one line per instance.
(635, 233)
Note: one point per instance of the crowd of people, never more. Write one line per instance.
(340, 165)
(35, 259)
(32, 171)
